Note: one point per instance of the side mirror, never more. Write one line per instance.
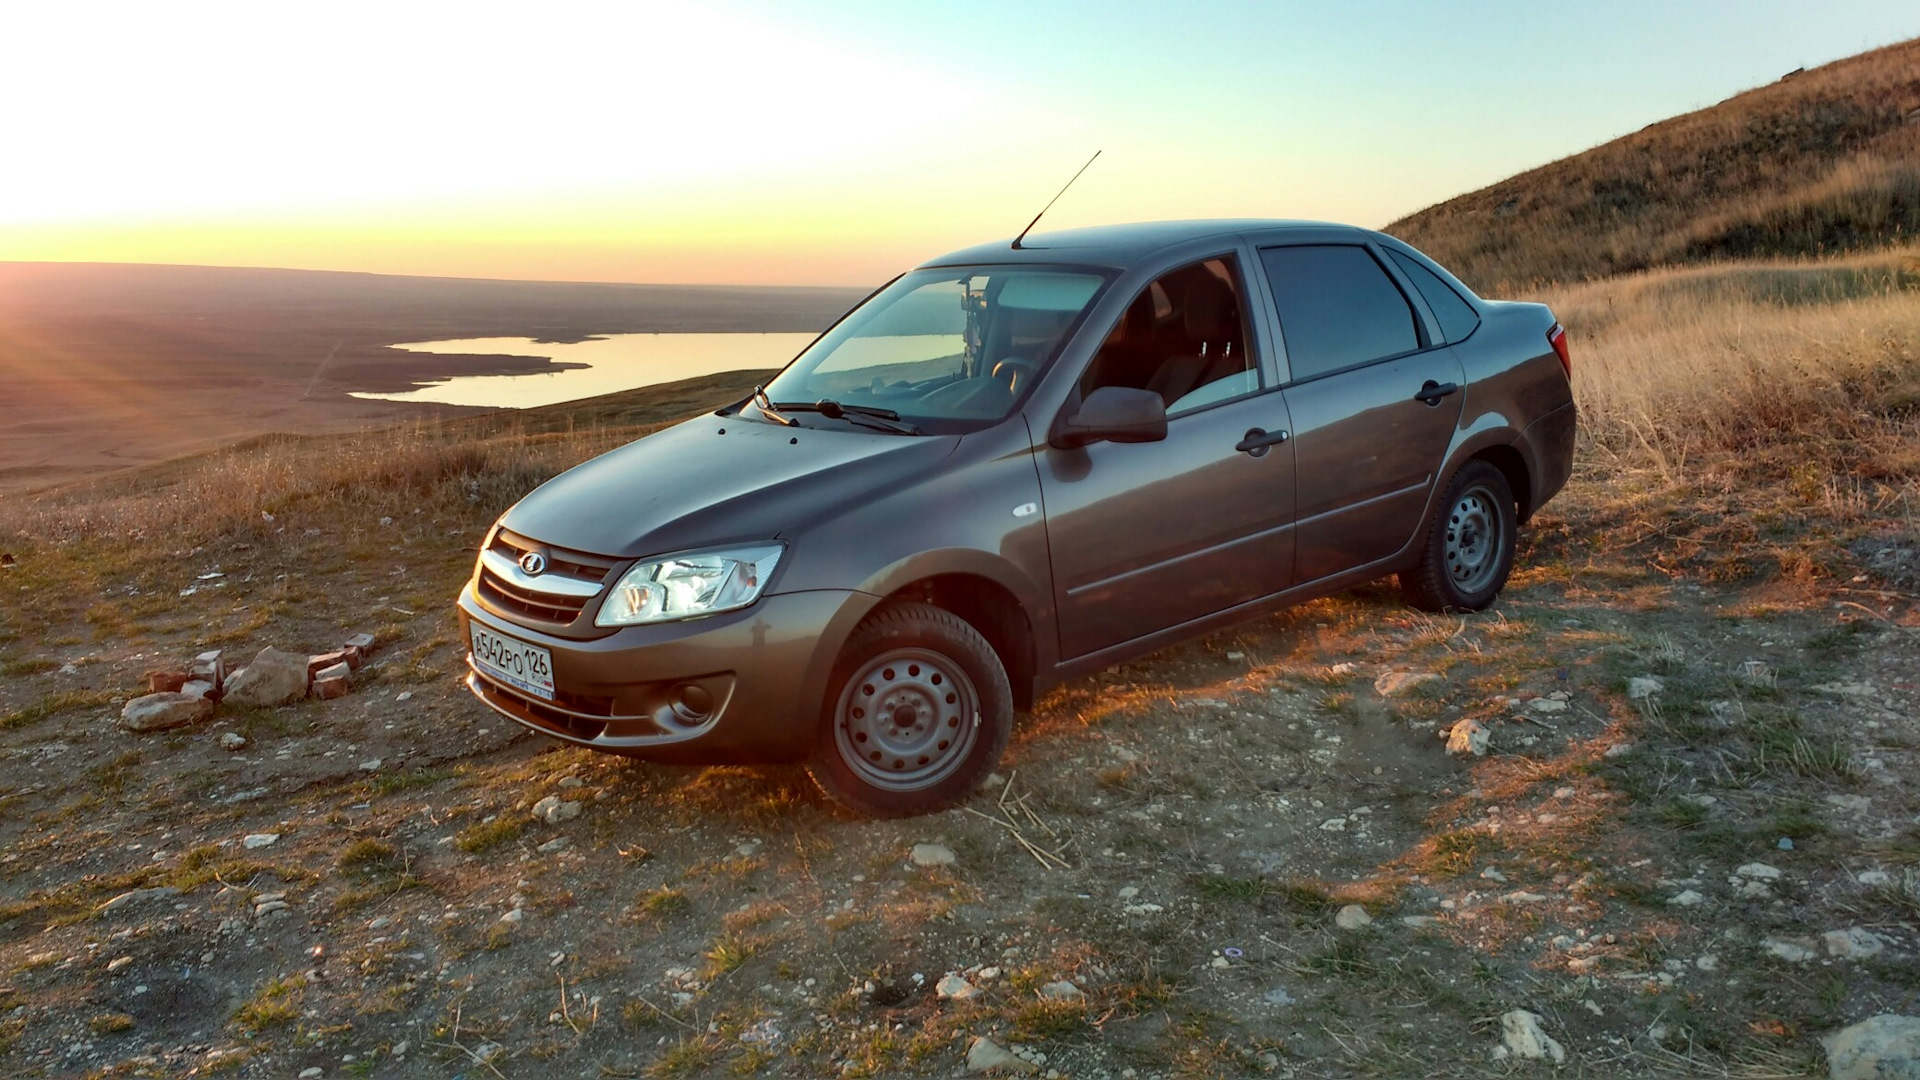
(1113, 414)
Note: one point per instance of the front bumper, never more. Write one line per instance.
(744, 686)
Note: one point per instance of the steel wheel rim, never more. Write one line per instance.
(1475, 540)
(907, 720)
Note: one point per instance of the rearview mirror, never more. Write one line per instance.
(1113, 414)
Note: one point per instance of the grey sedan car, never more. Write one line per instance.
(1016, 465)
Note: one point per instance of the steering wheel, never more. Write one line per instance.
(1013, 373)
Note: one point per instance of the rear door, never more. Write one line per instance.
(1146, 536)
(1374, 397)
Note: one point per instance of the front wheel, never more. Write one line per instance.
(1469, 543)
(918, 711)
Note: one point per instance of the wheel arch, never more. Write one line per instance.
(992, 596)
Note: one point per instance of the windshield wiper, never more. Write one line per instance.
(769, 410)
(864, 415)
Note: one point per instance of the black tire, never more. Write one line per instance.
(918, 711)
(1468, 548)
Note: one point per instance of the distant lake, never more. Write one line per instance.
(612, 363)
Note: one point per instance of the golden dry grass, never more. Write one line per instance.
(1817, 163)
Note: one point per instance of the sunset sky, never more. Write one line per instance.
(828, 142)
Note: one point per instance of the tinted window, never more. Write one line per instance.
(1337, 308)
(1181, 338)
(1457, 317)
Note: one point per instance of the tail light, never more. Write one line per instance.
(1557, 337)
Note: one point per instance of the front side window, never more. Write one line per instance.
(941, 350)
(1183, 338)
(1337, 308)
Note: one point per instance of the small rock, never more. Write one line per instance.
(1337, 824)
(371, 765)
(310, 1074)
(166, 682)
(1852, 943)
(1062, 990)
(1492, 874)
(270, 907)
(1352, 917)
(517, 915)
(1277, 996)
(1129, 892)
(138, 896)
(119, 964)
(1686, 898)
(1792, 950)
(1524, 898)
(161, 712)
(1785, 843)
(558, 843)
(1522, 1036)
(1886, 1047)
(1874, 877)
(932, 855)
(572, 782)
(1418, 922)
(553, 810)
(1402, 683)
(1468, 737)
(1142, 909)
(488, 1052)
(274, 678)
(985, 1056)
(1641, 687)
(333, 682)
(380, 922)
(1543, 707)
(1758, 871)
(955, 987)
(256, 841)
(232, 740)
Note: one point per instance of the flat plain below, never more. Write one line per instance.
(113, 366)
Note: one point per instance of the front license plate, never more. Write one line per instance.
(517, 663)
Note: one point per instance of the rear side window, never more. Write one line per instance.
(1337, 307)
(1457, 317)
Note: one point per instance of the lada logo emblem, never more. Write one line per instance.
(533, 563)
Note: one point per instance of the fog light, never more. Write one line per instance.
(691, 704)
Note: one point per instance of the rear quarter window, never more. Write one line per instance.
(1337, 307)
(1457, 317)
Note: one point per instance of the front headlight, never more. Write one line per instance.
(689, 585)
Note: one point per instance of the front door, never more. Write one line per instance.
(1146, 536)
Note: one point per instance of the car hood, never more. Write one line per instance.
(718, 480)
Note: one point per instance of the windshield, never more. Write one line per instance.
(942, 350)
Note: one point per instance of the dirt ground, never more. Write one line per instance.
(1698, 875)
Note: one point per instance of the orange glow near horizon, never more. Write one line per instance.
(830, 143)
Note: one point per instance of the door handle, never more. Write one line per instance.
(1257, 440)
(1431, 392)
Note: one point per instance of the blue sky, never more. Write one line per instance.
(826, 142)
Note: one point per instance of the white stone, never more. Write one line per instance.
(932, 855)
(1338, 824)
(161, 712)
(1062, 990)
(310, 1074)
(1758, 871)
(1524, 898)
(1468, 737)
(558, 843)
(1352, 917)
(553, 810)
(232, 740)
(1129, 892)
(1522, 1036)
(1852, 943)
(273, 678)
(1641, 687)
(955, 987)
(517, 915)
(371, 765)
(1402, 683)
(1791, 950)
(256, 841)
(1885, 1047)
(1545, 706)
(1875, 877)
(984, 1056)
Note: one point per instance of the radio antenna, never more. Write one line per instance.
(1050, 202)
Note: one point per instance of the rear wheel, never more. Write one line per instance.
(918, 710)
(1469, 545)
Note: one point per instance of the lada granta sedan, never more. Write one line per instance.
(1012, 466)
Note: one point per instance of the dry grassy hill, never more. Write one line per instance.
(1820, 162)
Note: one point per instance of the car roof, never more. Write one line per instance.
(1118, 245)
